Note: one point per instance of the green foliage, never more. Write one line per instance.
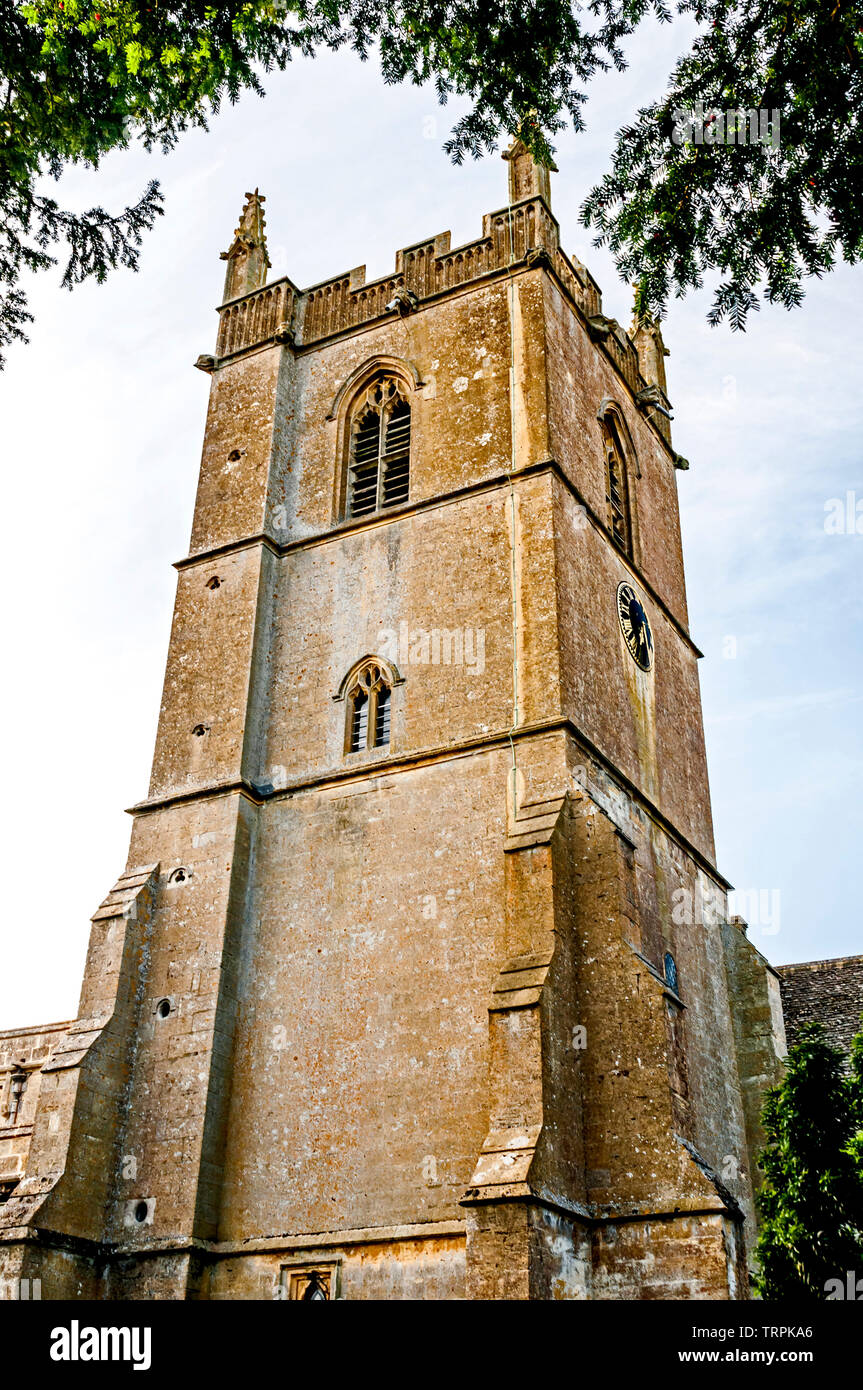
(86, 76)
(56, 109)
(79, 78)
(764, 217)
(811, 1203)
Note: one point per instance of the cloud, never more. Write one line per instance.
(783, 706)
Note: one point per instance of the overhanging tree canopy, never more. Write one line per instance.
(83, 77)
(768, 213)
(812, 1200)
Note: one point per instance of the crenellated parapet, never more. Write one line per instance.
(426, 269)
(264, 316)
(523, 236)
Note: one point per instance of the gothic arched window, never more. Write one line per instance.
(380, 445)
(616, 486)
(316, 1290)
(671, 972)
(369, 700)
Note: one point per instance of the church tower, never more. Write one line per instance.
(415, 983)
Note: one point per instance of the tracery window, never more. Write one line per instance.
(305, 1284)
(616, 486)
(369, 701)
(380, 438)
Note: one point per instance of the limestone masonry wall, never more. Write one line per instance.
(423, 1020)
(23, 1053)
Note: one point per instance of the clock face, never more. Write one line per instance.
(635, 626)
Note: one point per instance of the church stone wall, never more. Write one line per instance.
(237, 453)
(23, 1053)
(460, 412)
(681, 1258)
(183, 1067)
(368, 1264)
(450, 625)
(580, 379)
(759, 1036)
(202, 732)
(648, 725)
(403, 1015)
(363, 1046)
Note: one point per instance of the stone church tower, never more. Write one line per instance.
(418, 983)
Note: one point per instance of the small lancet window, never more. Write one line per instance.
(369, 702)
(379, 470)
(616, 487)
(671, 973)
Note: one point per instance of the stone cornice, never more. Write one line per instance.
(34, 1030)
(485, 485)
(387, 766)
(370, 1235)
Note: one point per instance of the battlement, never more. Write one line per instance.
(521, 236)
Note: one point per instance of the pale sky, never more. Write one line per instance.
(103, 417)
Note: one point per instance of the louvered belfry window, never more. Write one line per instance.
(616, 489)
(379, 473)
(369, 703)
(382, 718)
(359, 721)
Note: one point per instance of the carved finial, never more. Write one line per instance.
(527, 178)
(247, 257)
(647, 337)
